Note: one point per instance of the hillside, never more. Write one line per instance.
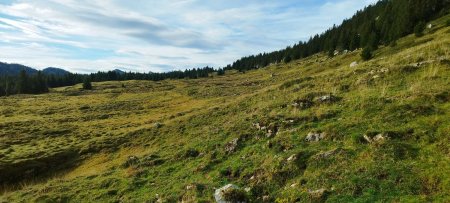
(55, 71)
(314, 129)
(10, 69)
(14, 69)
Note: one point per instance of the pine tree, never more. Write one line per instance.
(287, 59)
(419, 28)
(23, 83)
(87, 84)
(366, 54)
(220, 71)
(41, 85)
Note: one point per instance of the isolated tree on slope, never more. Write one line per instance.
(87, 84)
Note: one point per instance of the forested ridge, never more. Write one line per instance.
(379, 24)
(26, 83)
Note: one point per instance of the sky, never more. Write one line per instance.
(158, 35)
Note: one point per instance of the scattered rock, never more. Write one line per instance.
(272, 130)
(157, 125)
(159, 199)
(315, 137)
(367, 138)
(292, 158)
(384, 70)
(353, 64)
(317, 194)
(302, 103)
(231, 146)
(327, 98)
(256, 125)
(327, 154)
(131, 161)
(378, 138)
(229, 194)
(270, 133)
(190, 187)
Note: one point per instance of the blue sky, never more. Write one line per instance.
(148, 35)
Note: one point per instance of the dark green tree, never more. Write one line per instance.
(366, 54)
(287, 59)
(220, 71)
(40, 85)
(87, 84)
(23, 83)
(419, 28)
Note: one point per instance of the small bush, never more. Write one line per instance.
(419, 28)
(225, 172)
(235, 195)
(191, 153)
(87, 84)
(358, 139)
(366, 54)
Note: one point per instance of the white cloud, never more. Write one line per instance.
(155, 35)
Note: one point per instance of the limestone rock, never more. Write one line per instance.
(317, 194)
(327, 154)
(292, 158)
(315, 137)
(220, 194)
(231, 146)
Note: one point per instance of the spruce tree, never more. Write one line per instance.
(287, 59)
(23, 83)
(366, 54)
(220, 71)
(87, 84)
(419, 28)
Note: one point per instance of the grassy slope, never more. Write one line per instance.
(83, 138)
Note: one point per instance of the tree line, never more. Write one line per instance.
(380, 24)
(25, 83)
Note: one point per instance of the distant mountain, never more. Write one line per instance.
(14, 69)
(55, 71)
(118, 71)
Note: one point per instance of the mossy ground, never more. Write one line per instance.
(72, 145)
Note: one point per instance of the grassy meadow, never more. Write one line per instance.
(171, 141)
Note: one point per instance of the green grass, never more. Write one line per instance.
(72, 145)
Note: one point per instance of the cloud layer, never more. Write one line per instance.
(146, 35)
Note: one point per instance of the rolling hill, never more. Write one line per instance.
(10, 69)
(335, 129)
